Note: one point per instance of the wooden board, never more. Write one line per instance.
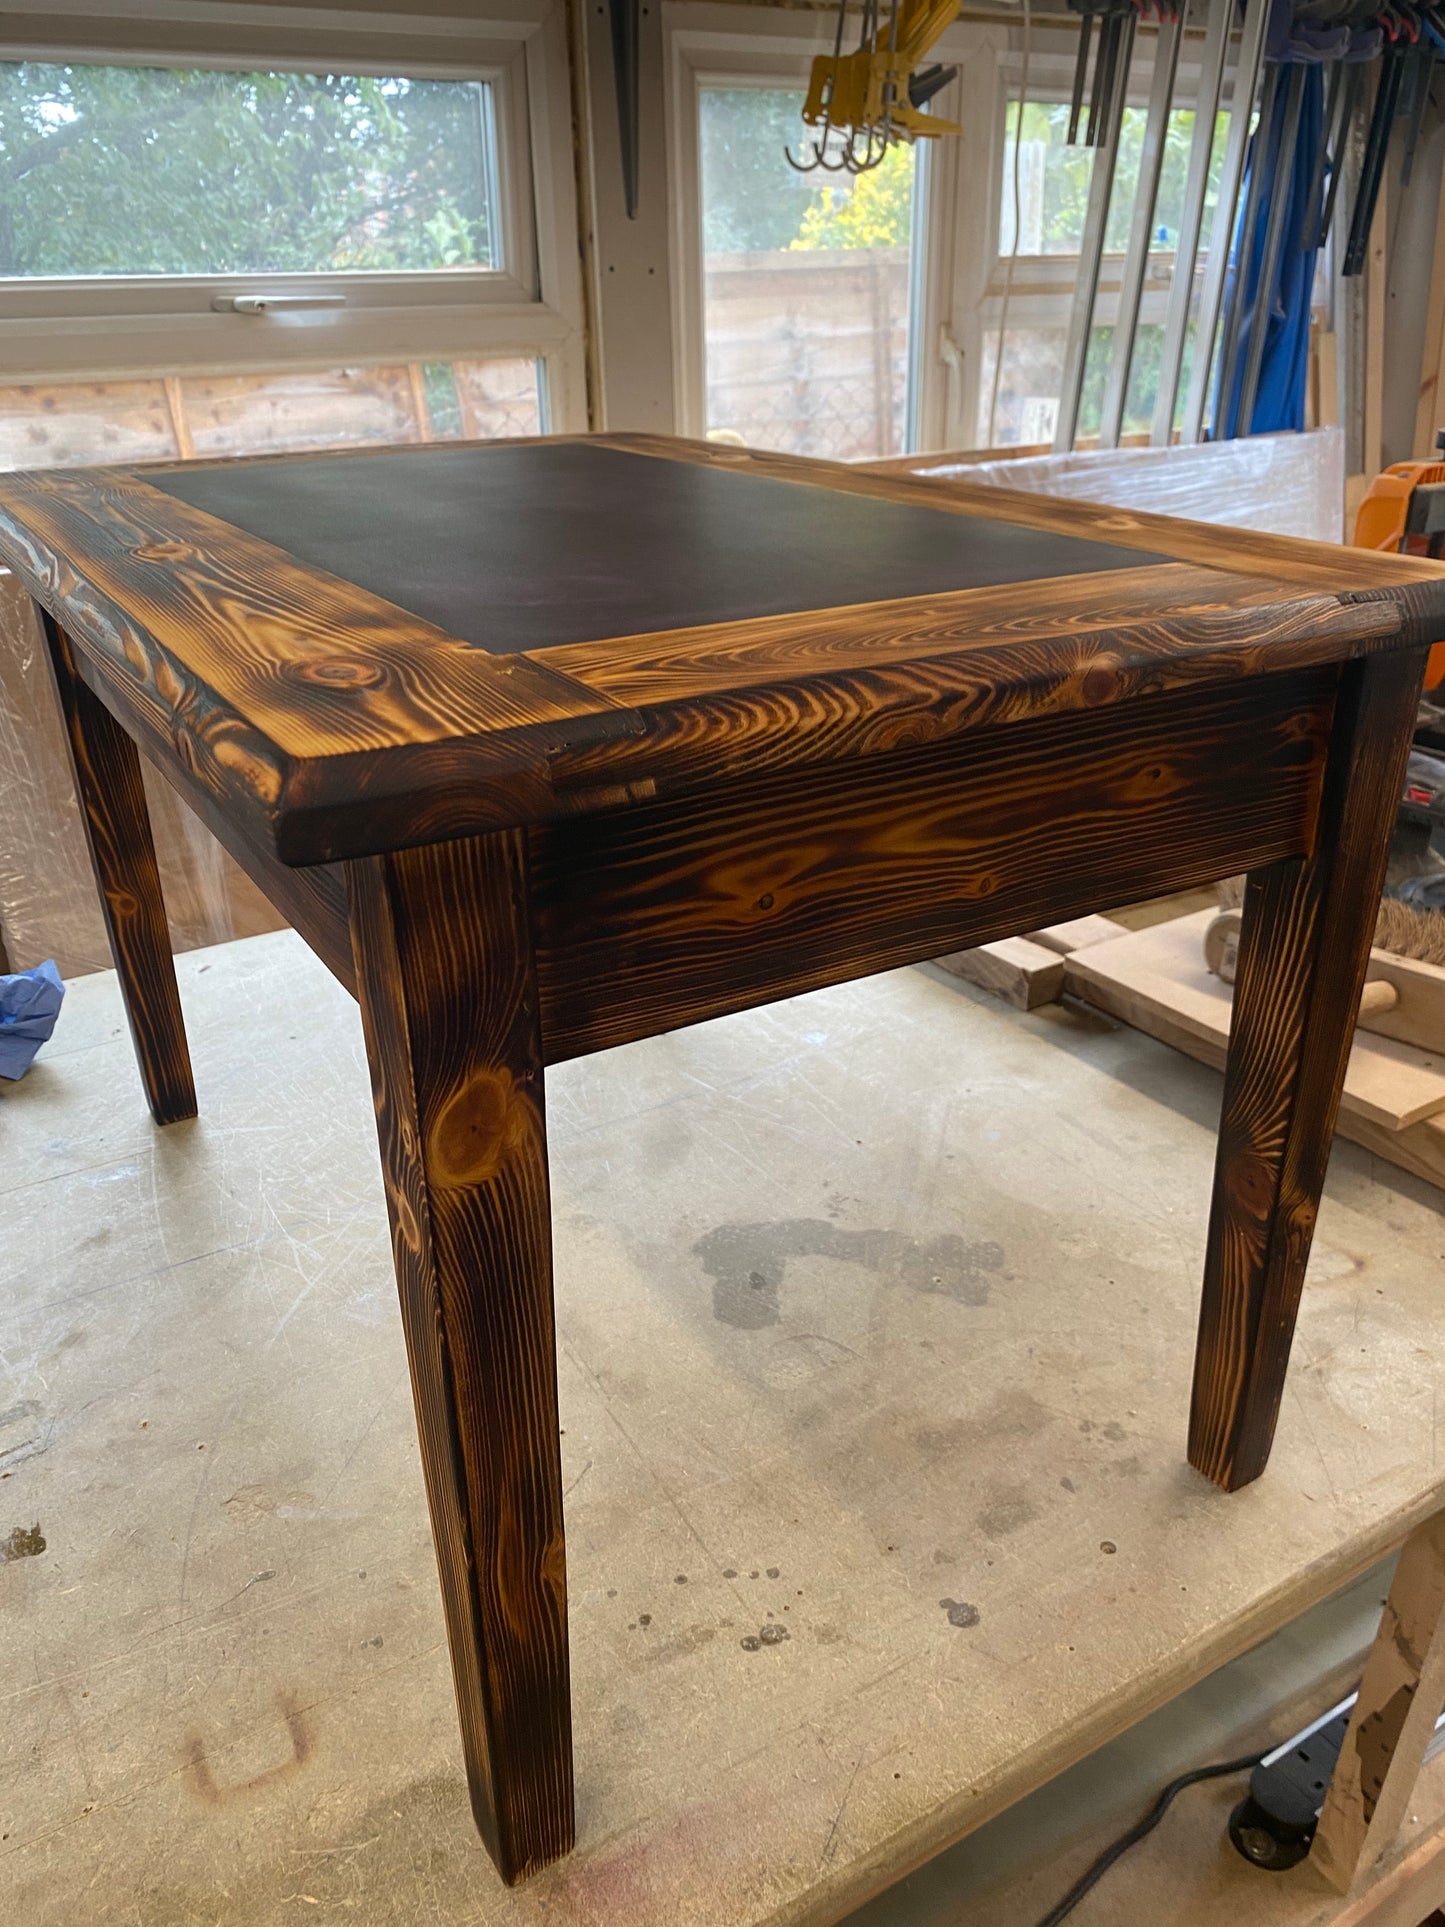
(1020, 972)
(1418, 1017)
(1377, 298)
(1327, 373)
(300, 409)
(1026, 971)
(1393, 1720)
(46, 425)
(1078, 933)
(672, 912)
(1419, 1149)
(1156, 972)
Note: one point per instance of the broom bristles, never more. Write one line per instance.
(1408, 932)
(1400, 928)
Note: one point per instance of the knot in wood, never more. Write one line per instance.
(479, 1128)
(1250, 1183)
(1154, 779)
(162, 552)
(1099, 685)
(336, 673)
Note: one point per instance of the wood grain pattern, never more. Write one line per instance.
(443, 963)
(1304, 950)
(669, 913)
(337, 725)
(112, 800)
(841, 684)
(284, 690)
(1394, 1716)
(1013, 636)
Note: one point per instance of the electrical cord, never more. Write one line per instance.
(1090, 1879)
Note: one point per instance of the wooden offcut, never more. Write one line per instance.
(1163, 970)
(1019, 971)
(1026, 971)
(1156, 980)
(1393, 1718)
(1077, 933)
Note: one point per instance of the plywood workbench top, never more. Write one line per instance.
(857, 1557)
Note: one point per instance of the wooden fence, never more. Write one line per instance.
(807, 350)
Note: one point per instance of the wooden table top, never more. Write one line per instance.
(358, 652)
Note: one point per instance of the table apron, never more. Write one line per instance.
(312, 899)
(666, 913)
(648, 918)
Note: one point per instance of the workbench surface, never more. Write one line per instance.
(875, 1311)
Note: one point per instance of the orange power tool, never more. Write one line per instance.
(1404, 512)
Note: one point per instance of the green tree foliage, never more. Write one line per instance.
(753, 202)
(874, 211)
(1067, 172)
(140, 170)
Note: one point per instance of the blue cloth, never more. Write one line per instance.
(1284, 371)
(29, 1005)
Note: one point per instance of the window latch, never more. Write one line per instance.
(274, 303)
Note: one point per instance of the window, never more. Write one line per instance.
(243, 173)
(221, 216)
(1033, 374)
(805, 284)
(1054, 181)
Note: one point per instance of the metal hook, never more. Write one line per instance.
(820, 144)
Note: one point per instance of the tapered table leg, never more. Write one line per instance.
(448, 1001)
(122, 854)
(1304, 947)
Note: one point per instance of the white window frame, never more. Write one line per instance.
(117, 327)
(711, 46)
(959, 273)
(1042, 290)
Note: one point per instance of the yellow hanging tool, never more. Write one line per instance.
(864, 102)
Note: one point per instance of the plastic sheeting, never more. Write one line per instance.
(1279, 484)
(48, 902)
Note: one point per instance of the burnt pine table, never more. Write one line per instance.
(546, 746)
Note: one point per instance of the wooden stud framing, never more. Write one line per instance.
(1399, 1702)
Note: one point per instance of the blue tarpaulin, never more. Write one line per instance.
(1284, 371)
(29, 1005)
